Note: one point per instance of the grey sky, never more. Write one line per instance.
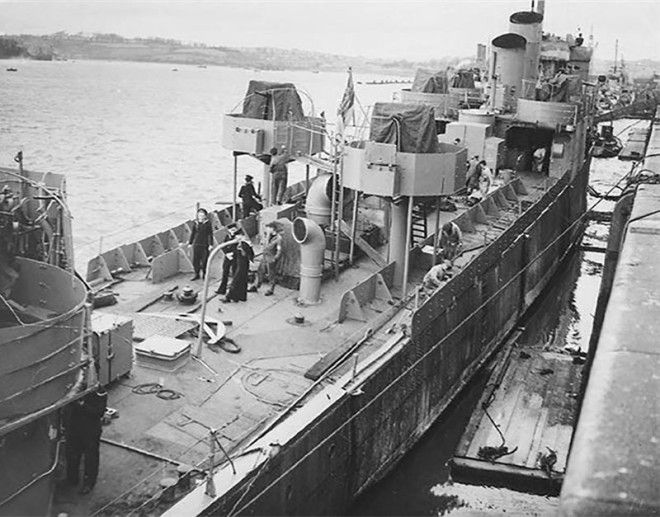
(416, 29)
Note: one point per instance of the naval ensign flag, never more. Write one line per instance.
(345, 111)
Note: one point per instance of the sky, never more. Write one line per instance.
(415, 30)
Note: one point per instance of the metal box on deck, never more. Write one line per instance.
(257, 136)
(112, 345)
(246, 139)
(163, 353)
(411, 174)
(494, 152)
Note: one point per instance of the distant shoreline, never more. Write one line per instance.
(111, 47)
(392, 76)
(62, 46)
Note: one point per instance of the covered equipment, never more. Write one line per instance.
(427, 81)
(410, 126)
(272, 101)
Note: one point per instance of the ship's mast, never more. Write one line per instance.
(616, 53)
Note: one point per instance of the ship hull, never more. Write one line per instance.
(359, 439)
(40, 372)
(29, 457)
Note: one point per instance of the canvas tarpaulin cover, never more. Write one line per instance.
(427, 81)
(410, 126)
(272, 101)
(463, 79)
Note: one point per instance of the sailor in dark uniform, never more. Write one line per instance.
(250, 199)
(228, 261)
(201, 240)
(83, 436)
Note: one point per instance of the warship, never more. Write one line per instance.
(295, 403)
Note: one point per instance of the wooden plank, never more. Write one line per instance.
(593, 249)
(364, 245)
(502, 474)
(595, 215)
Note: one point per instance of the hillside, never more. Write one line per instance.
(62, 45)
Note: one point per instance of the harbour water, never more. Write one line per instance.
(140, 142)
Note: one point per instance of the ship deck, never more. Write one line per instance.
(532, 397)
(239, 395)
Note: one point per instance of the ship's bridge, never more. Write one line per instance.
(559, 102)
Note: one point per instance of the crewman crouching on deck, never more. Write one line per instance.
(451, 242)
(539, 159)
(83, 436)
(436, 275)
(271, 258)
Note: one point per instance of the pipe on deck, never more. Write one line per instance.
(311, 238)
(317, 205)
(398, 237)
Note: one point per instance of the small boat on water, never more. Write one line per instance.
(389, 81)
(11, 69)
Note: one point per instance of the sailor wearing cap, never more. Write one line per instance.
(249, 197)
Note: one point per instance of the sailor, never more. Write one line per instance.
(435, 276)
(83, 436)
(243, 255)
(539, 159)
(271, 257)
(457, 141)
(279, 170)
(201, 240)
(451, 242)
(472, 180)
(228, 261)
(249, 197)
(485, 178)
